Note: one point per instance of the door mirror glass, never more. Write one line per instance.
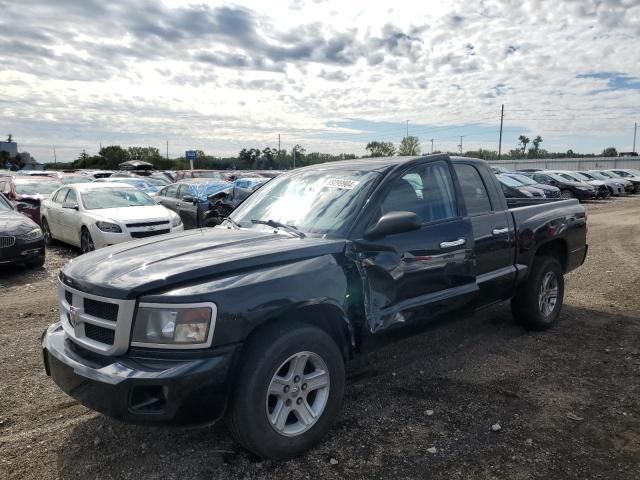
(70, 205)
(394, 222)
(189, 199)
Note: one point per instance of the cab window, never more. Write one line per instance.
(426, 190)
(473, 189)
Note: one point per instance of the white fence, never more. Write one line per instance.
(584, 163)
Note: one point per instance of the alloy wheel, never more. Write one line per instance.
(86, 242)
(548, 295)
(298, 394)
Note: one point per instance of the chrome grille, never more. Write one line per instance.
(98, 324)
(7, 241)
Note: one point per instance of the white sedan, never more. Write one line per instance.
(94, 215)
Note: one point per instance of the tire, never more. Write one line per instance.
(528, 307)
(86, 242)
(268, 364)
(37, 262)
(46, 231)
(566, 194)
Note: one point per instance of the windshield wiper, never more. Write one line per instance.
(232, 222)
(274, 224)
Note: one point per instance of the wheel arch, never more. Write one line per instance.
(556, 248)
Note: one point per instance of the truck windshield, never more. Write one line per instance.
(316, 202)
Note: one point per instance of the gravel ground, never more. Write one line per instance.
(567, 400)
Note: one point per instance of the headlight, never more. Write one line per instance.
(34, 234)
(174, 326)
(109, 227)
(176, 221)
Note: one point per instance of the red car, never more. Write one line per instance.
(27, 192)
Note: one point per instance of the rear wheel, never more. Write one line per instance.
(86, 242)
(566, 193)
(289, 390)
(538, 301)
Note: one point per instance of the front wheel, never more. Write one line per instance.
(288, 390)
(566, 194)
(46, 232)
(537, 303)
(86, 242)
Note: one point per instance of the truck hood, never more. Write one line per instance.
(130, 269)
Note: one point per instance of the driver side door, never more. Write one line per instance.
(420, 274)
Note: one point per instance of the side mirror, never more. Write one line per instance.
(21, 207)
(70, 205)
(394, 222)
(188, 199)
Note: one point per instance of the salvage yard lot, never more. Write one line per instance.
(567, 400)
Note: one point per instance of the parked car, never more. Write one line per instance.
(69, 178)
(530, 170)
(616, 187)
(568, 188)
(96, 215)
(140, 183)
(27, 193)
(159, 180)
(226, 201)
(628, 174)
(256, 318)
(601, 187)
(21, 240)
(190, 200)
(497, 169)
(189, 174)
(548, 190)
(513, 188)
(630, 185)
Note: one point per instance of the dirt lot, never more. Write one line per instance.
(567, 401)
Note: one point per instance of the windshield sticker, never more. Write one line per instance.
(342, 183)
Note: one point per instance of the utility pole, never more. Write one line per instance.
(500, 141)
(167, 149)
(635, 130)
(55, 158)
(460, 145)
(407, 128)
(432, 145)
(278, 148)
(294, 157)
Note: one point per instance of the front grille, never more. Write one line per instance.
(68, 296)
(148, 224)
(7, 241)
(104, 310)
(148, 233)
(99, 334)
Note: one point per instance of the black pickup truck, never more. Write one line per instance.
(253, 320)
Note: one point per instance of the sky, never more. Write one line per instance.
(329, 75)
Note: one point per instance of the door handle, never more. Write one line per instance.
(455, 243)
(500, 231)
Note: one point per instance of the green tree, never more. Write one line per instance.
(610, 152)
(298, 155)
(380, 149)
(112, 156)
(144, 154)
(524, 140)
(409, 146)
(536, 142)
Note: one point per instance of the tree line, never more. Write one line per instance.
(268, 158)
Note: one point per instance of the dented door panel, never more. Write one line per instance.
(410, 277)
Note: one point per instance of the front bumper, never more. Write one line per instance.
(144, 388)
(585, 194)
(22, 251)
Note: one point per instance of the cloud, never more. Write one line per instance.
(215, 76)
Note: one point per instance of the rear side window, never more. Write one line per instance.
(473, 189)
(426, 190)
